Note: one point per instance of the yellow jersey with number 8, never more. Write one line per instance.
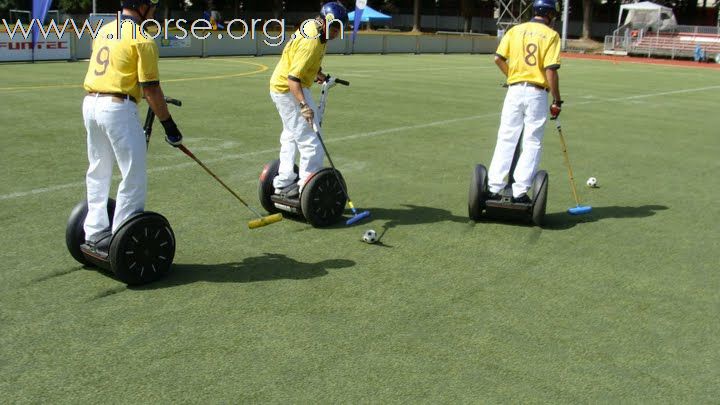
(529, 49)
(122, 65)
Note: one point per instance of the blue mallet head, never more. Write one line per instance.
(580, 210)
(357, 217)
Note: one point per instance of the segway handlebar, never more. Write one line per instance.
(173, 101)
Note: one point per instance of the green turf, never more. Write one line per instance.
(619, 306)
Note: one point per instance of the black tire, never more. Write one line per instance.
(265, 185)
(142, 249)
(323, 200)
(74, 232)
(476, 196)
(539, 195)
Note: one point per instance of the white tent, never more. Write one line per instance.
(647, 14)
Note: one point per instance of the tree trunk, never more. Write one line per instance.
(277, 9)
(467, 11)
(587, 18)
(416, 16)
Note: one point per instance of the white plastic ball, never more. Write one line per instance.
(370, 236)
(592, 182)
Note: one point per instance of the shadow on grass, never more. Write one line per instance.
(411, 215)
(563, 220)
(268, 267)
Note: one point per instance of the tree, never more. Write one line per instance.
(587, 18)
(278, 8)
(75, 6)
(416, 16)
(467, 10)
(6, 5)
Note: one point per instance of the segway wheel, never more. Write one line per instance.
(476, 196)
(265, 185)
(74, 232)
(142, 249)
(323, 200)
(539, 194)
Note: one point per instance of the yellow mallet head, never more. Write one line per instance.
(267, 220)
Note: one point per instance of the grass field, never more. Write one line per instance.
(619, 306)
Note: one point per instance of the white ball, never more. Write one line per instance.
(370, 236)
(591, 182)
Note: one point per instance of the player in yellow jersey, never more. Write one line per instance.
(121, 71)
(299, 66)
(529, 55)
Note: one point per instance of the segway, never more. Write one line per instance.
(324, 196)
(321, 203)
(479, 206)
(142, 248)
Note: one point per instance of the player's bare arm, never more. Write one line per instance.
(554, 81)
(296, 89)
(156, 100)
(501, 64)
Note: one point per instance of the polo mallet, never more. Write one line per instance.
(147, 128)
(330, 82)
(255, 223)
(577, 209)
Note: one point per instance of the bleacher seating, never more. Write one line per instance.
(677, 44)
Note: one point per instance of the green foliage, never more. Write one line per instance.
(75, 6)
(6, 5)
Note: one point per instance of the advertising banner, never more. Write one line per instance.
(21, 49)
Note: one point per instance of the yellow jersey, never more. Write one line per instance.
(301, 58)
(529, 49)
(122, 65)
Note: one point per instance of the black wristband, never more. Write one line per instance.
(169, 124)
(558, 103)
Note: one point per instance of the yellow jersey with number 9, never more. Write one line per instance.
(529, 49)
(122, 65)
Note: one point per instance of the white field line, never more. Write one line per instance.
(664, 93)
(244, 155)
(59, 187)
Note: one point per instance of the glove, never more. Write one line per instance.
(555, 109)
(307, 112)
(172, 133)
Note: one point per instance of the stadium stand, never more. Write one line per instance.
(676, 44)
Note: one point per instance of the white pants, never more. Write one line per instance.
(113, 133)
(297, 135)
(525, 107)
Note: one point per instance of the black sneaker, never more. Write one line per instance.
(493, 196)
(523, 199)
(100, 244)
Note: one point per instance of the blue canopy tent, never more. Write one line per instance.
(368, 14)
